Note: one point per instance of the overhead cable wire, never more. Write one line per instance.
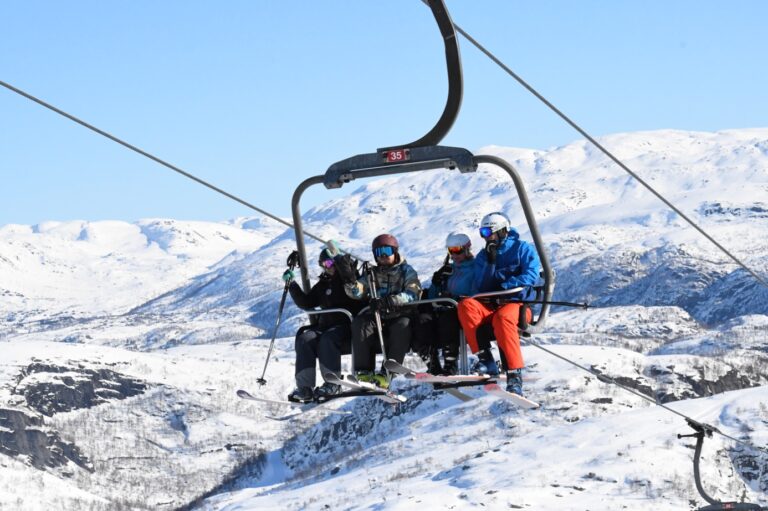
(152, 157)
(607, 379)
(605, 151)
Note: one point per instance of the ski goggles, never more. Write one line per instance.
(327, 263)
(486, 232)
(455, 250)
(384, 251)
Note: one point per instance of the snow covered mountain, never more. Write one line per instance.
(674, 318)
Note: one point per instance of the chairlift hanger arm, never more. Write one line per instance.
(455, 83)
(705, 430)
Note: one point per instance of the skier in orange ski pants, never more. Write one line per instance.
(506, 263)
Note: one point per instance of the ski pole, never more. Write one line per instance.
(376, 315)
(564, 304)
(292, 262)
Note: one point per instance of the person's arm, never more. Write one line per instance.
(411, 288)
(526, 274)
(485, 279)
(301, 299)
(358, 289)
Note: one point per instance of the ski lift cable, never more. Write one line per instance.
(612, 381)
(188, 175)
(153, 158)
(605, 151)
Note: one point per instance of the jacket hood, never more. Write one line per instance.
(513, 234)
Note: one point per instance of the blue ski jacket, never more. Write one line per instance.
(517, 264)
(460, 283)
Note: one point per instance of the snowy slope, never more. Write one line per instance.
(591, 446)
(184, 310)
(95, 268)
(611, 243)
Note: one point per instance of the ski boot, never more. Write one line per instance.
(432, 359)
(485, 364)
(450, 367)
(326, 390)
(515, 382)
(378, 379)
(301, 395)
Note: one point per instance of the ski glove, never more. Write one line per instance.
(346, 268)
(384, 304)
(293, 260)
(288, 275)
(491, 250)
(440, 277)
(333, 247)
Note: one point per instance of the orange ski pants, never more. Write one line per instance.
(504, 320)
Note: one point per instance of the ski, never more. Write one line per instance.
(394, 367)
(300, 407)
(364, 389)
(451, 383)
(474, 379)
(495, 390)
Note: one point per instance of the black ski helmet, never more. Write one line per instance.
(325, 254)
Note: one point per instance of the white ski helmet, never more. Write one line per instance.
(493, 222)
(458, 239)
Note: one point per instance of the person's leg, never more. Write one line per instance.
(306, 357)
(425, 340)
(365, 340)
(398, 338)
(472, 314)
(332, 343)
(448, 328)
(424, 333)
(505, 322)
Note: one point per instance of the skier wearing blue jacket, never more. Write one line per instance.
(438, 325)
(506, 262)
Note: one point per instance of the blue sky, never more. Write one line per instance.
(255, 96)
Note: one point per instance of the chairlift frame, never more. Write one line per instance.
(423, 155)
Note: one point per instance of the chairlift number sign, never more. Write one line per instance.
(397, 155)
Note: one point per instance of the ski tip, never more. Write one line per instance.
(495, 388)
(392, 364)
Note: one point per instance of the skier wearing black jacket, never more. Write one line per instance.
(397, 285)
(326, 339)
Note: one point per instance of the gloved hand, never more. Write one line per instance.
(440, 277)
(345, 267)
(491, 249)
(377, 305)
(333, 247)
(288, 275)
(293, 259)
(384, 304)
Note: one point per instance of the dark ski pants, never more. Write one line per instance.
(325, 346)
(397, 339)
(435, 330)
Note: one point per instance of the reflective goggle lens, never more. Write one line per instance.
(455, 250)
(326, 263)
(486, 232)
(383, 251)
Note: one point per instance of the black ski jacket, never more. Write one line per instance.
(328, 293)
